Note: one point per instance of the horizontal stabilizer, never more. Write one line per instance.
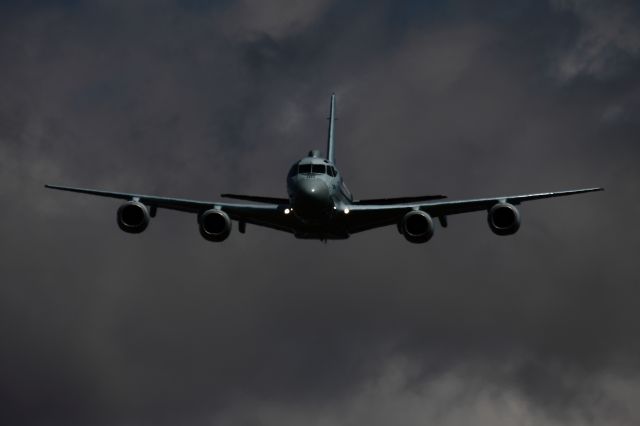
(400, 200)
(257, 198)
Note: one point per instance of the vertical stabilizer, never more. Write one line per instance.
(330, 140)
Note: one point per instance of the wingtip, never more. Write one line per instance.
(49, 186)
(593, 189)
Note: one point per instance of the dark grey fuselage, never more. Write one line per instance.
(319, 198)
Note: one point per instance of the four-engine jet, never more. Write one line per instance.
(320, 206)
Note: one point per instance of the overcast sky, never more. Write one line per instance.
(195, 98)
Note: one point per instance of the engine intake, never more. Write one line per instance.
(215, 225)
(133, 217)
(417, 226)
(504, 219)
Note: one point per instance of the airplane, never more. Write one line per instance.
(320, 206)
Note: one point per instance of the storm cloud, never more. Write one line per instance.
(196, 98)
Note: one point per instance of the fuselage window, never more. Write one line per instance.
(318, 168)
(304, 168)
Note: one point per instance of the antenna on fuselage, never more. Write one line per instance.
(330, 140)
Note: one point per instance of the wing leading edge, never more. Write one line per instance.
(257, 198)
(364, 217)
(361, 216)
(398, 200)
(269, 215)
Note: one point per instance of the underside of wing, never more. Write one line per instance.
(257, 198)
(180, 204)
(399, 200)
(445, 208)
(270, 215)
(360, 216)
(368, 216)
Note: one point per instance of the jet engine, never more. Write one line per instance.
(504, 219)
(133, 217)
(215, 225)
(417, 226)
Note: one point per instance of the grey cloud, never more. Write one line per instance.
(278, 19)
(608, 38)
(99, 327)
(450, 399)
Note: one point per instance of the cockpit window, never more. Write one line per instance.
(331, 171)
(304, 168)
(318, 168)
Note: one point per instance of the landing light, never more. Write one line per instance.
(346, 211)
(287, 211)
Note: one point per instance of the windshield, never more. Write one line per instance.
(318, 168)
(304, 168)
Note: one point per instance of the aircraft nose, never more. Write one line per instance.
(312, 199)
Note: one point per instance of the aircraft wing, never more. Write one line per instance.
(368, 216)
(400, 200)
(267, 215)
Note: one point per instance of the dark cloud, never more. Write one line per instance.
(608, 38)
(197, 98)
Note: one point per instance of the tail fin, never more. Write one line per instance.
(330, 140)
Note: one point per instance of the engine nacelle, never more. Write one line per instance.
(417, 226)
(504, 219)
(133, 217)
(215, 225)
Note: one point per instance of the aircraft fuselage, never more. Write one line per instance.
(318, 196)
